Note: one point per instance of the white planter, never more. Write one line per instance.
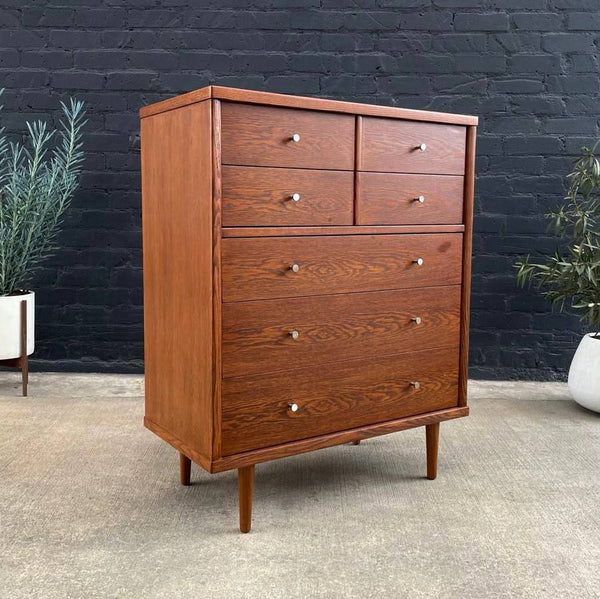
(584, 374)
(10, 325)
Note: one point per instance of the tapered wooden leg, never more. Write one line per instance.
(245, 488)
(24, 360)
(432, 435)
(356, 442)
(185, 469)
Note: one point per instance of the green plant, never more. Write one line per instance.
(572, 273)
(36, 186)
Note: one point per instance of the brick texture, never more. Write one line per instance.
(528, 68)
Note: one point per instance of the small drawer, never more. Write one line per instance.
(257, 135)
(272, 335)
(273, 267)
(397, 146)
(259, 196)
(260, 411)
(400, 199)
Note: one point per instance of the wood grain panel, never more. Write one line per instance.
(261, 268)
(338, 230)
(256, 410)
(178, 264)
(255, 196)
(291, 101)
(466, 264)
(393, 199)
(257, 335)
(393, 146)
(261, 136)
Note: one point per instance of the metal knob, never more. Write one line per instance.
(294, 407)
(295, 197)
(416, 319)
(423, 147)
(419, 261)
(294, 335)
(415, 384)
(295, 137)
(420, 199)
(294, 267)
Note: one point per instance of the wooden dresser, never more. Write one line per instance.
(306, 275)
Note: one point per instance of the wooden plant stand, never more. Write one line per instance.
(22, 362)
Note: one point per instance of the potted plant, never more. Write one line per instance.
(37, 181)
(571, 277)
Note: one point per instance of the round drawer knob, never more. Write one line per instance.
(295, 197)
(419, 261)
(416, 319)
(423, 147)
(420, 199)
(295, 267)
(295, 137)
(294, 407)
(294, 335)
(415, 384)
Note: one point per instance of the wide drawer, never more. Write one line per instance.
(272, 267)
(389, 145)
(267, 136)
(403, 199)
(260, 196)
(257, 410)
(272, 335)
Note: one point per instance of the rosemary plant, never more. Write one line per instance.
(572, 274)
(37, 183)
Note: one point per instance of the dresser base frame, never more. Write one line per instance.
(245, 462)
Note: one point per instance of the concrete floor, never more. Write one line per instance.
(90, 505)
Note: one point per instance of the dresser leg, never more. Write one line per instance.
(245, 488)
(185, 469)
(356, 442)
(432, 435)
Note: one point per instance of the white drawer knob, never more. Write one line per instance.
(294, 407)
(420, 199)
(295, 267)
(423, 147)
(416, 319)
(415, 384)
(294, 335)
(295, 137)
(419, 261)
(295, 197)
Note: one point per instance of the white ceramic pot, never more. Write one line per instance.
(584, 374)
(10, 325)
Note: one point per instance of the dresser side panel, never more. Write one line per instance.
(178, 283)
(469, 193)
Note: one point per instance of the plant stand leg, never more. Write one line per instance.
(245, 488)
(432, 436)
(24, 361)
(185, 469)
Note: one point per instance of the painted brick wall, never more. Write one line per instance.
(528, 68)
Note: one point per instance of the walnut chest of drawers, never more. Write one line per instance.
(306, 275)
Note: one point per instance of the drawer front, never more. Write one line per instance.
(273, 335)
(389, 145)
(401, 199)
(272, 267)
(258, 196)
(256, 410)
(263, 136)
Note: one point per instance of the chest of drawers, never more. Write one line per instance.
(306, 275)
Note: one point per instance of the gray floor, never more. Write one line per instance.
(90, 505)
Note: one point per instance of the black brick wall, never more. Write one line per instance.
(528, 68)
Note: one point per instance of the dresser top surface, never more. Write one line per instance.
(290, 101)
